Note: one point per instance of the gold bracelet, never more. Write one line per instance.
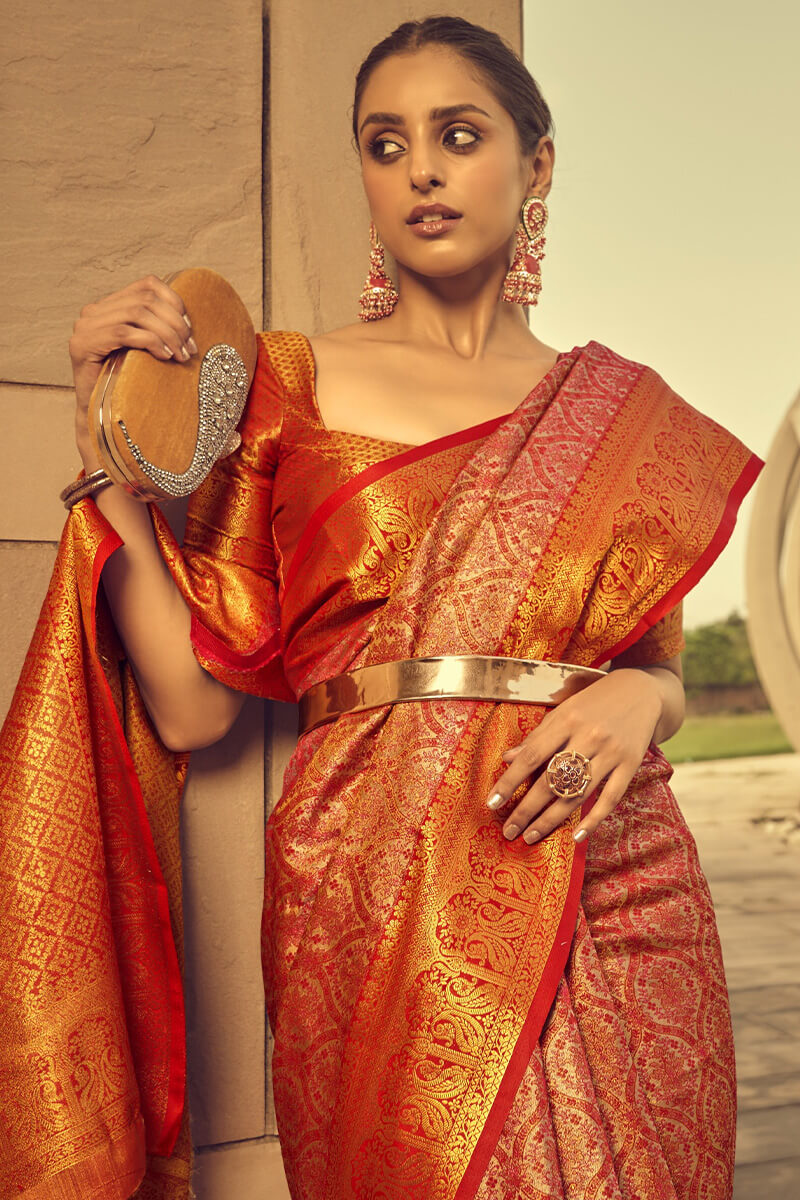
(86, 485)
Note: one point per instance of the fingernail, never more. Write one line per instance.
(531, 835)
(192, 344)
(581, 834)
(511, 832)
(186, 319)
(494, 801)
(185, 353)
(167, 349)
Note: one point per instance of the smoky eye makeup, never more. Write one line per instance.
(461, 138)
(383, 147)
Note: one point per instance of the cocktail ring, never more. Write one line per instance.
(568, 774)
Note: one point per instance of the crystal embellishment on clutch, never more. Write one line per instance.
(222, 392)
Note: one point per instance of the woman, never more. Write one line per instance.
(485, 978)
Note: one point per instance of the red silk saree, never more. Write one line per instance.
(455, 1016)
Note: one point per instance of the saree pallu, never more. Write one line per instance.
(454, 1015)
(92, 1060)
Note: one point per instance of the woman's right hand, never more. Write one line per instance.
(146, 315)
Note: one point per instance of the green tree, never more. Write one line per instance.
(718, 655)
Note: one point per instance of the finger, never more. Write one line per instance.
(177, 321)
(148, 289)
(549, 819)
(149, 294)
(537, 749)
(539, 811)
(614, 789)
(162, 318)
(152, 289)
(122, 326)
(157, 340)
(151, 310)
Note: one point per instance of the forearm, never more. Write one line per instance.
(187, 705)
(669, 685)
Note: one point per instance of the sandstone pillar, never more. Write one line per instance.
(145, 138)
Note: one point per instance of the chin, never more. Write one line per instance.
(434, 266)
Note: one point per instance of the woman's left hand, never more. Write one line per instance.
(611, 722)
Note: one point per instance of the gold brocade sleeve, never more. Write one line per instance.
(662, 641)
(227, 569)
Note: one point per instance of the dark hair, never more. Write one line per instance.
(509, 79)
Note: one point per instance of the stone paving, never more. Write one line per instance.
(745, 815)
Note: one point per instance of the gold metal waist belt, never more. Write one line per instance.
(450, 677)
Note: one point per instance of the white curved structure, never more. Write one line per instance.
(773, 575)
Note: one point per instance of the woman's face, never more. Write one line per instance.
(436, 143)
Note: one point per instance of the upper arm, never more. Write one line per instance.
(659, 646)
(673, 664)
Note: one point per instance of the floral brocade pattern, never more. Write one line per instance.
(411, 954)
(631, 1090)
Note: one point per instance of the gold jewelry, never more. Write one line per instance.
(378, 295)
(523, 283)
(444, 677)
(568, 774)
(86, 485)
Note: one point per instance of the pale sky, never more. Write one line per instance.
(674, 233)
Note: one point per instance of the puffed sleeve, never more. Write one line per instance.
(226, 569)
(662, 641)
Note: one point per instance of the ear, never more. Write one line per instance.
(542, 161)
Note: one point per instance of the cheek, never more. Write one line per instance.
(499, 195)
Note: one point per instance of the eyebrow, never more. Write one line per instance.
(436, 114)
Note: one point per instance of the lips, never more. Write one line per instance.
(431, 212)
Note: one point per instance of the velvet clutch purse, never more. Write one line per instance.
(158, 427)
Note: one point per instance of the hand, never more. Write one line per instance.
(611, 722)
(146, 315)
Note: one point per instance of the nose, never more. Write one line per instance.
(424, 171)
(423, 180)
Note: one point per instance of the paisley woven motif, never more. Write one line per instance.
(402, 980)
(631, 1090)
(441, 1029)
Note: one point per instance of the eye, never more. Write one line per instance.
(461, 137)
(384, 147)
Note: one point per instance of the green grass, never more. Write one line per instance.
(726, 735)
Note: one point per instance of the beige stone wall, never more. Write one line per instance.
(136, 143)
(319, 227)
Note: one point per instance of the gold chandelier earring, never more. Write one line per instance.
(523, 283)
(378, 295)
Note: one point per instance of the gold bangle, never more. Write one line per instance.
(86, 485)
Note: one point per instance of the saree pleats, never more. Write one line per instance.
(414, 987)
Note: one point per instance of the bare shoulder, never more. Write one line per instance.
(358, 336)
(344, 334)
(356, 352)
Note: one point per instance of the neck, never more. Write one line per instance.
(463, 314)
